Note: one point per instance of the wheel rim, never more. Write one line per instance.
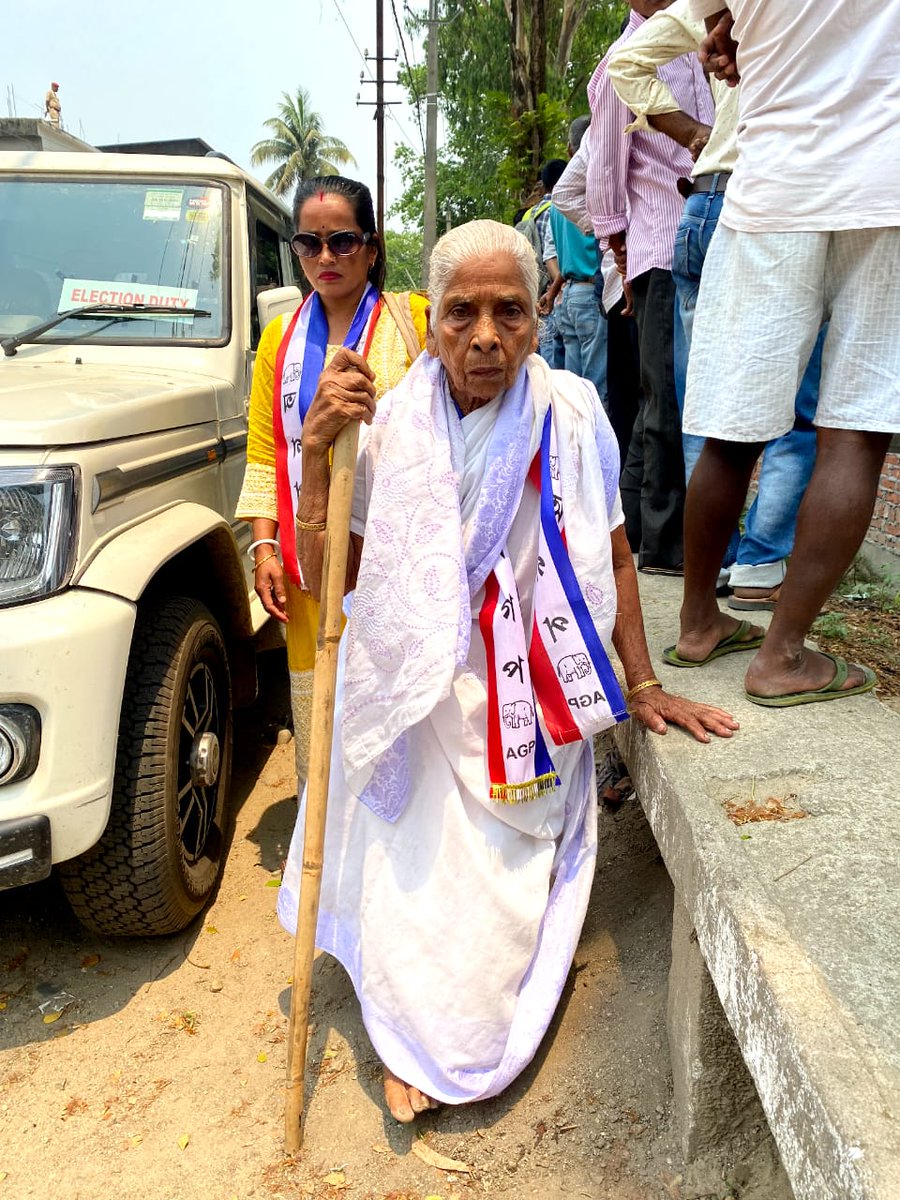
(198, 762)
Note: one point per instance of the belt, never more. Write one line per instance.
(571, 279)
(710, 183)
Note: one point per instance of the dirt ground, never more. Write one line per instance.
(861, 629)
(163, 1076)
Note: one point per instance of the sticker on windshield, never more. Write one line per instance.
(76, 292)
(163, 204)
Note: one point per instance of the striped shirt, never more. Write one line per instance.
(542, 220)
(632, 182)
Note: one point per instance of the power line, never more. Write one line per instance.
(340, 13)
(412, 79)
(393, 117)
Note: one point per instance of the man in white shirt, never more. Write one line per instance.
(809, 231)
(756, 558)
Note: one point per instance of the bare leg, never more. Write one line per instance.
(831, 525)
(403, 1100)
(715, 497)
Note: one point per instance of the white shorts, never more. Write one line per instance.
(763, 298)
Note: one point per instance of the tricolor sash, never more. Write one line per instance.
(298, 365)
(566, 674)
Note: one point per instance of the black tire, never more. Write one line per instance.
(162, 851)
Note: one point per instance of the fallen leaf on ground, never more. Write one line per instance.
(184, 1141)
(242, 897)
(381, 1149)
(2, 1005)
(3, 1175)
(185, 1022)
(329, 1053)
(773, 808)
(335, 1179)
(89, 960)
(235, 955)
(262, 1056)
(49, 1018)
(273, 883)
(422, 1150)
(137, 1139)
(211, 929)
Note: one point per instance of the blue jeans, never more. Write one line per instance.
(757, 558)
(551, 347)
(583, 329)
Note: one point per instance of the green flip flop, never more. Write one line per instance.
(831, 691)
(732, 644)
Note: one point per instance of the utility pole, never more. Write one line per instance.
(431, 95)
(380, 104)
(379, 107)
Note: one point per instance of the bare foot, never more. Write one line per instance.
(810, 672)
(696, 644)
(404, 1100)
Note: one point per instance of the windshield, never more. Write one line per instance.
(64, 245)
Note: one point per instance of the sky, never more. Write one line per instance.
(175, 68)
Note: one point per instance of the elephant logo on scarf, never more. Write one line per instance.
(517, 714)
(291, 374)
(573, 666)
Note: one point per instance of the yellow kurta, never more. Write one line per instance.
(390, 361)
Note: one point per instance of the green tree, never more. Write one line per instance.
(514, 73)
(403, 252)
(299, 145)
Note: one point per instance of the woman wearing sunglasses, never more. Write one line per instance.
(350, 340)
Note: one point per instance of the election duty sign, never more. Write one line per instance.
(76, 292)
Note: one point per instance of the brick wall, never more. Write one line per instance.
(884, 530)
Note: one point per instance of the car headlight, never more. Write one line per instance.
(37, 531)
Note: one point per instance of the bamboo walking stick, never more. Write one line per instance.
(334, 573)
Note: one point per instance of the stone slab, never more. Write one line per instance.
(797, 921)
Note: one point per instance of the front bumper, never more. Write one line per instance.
(25, 855)
(66, 656)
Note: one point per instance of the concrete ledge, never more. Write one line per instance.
(798, 922)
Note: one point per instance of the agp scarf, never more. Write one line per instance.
(298, 365)
(566, 674)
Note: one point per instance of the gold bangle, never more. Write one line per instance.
(264, 560)
(311, 526)
(639, 687)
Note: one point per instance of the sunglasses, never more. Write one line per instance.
(341, 244)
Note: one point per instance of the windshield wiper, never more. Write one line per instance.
(124, 311)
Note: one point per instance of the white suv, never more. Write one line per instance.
(128, 321)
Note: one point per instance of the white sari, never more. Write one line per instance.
(457, 917)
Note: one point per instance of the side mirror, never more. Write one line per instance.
(275, 302)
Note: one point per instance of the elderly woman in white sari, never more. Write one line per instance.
(491, 572)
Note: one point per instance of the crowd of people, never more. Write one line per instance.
(781, 317)
(703, 279)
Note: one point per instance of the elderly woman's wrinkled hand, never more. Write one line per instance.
(657, 709)
(346, 392)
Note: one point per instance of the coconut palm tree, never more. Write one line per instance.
(299, 145)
